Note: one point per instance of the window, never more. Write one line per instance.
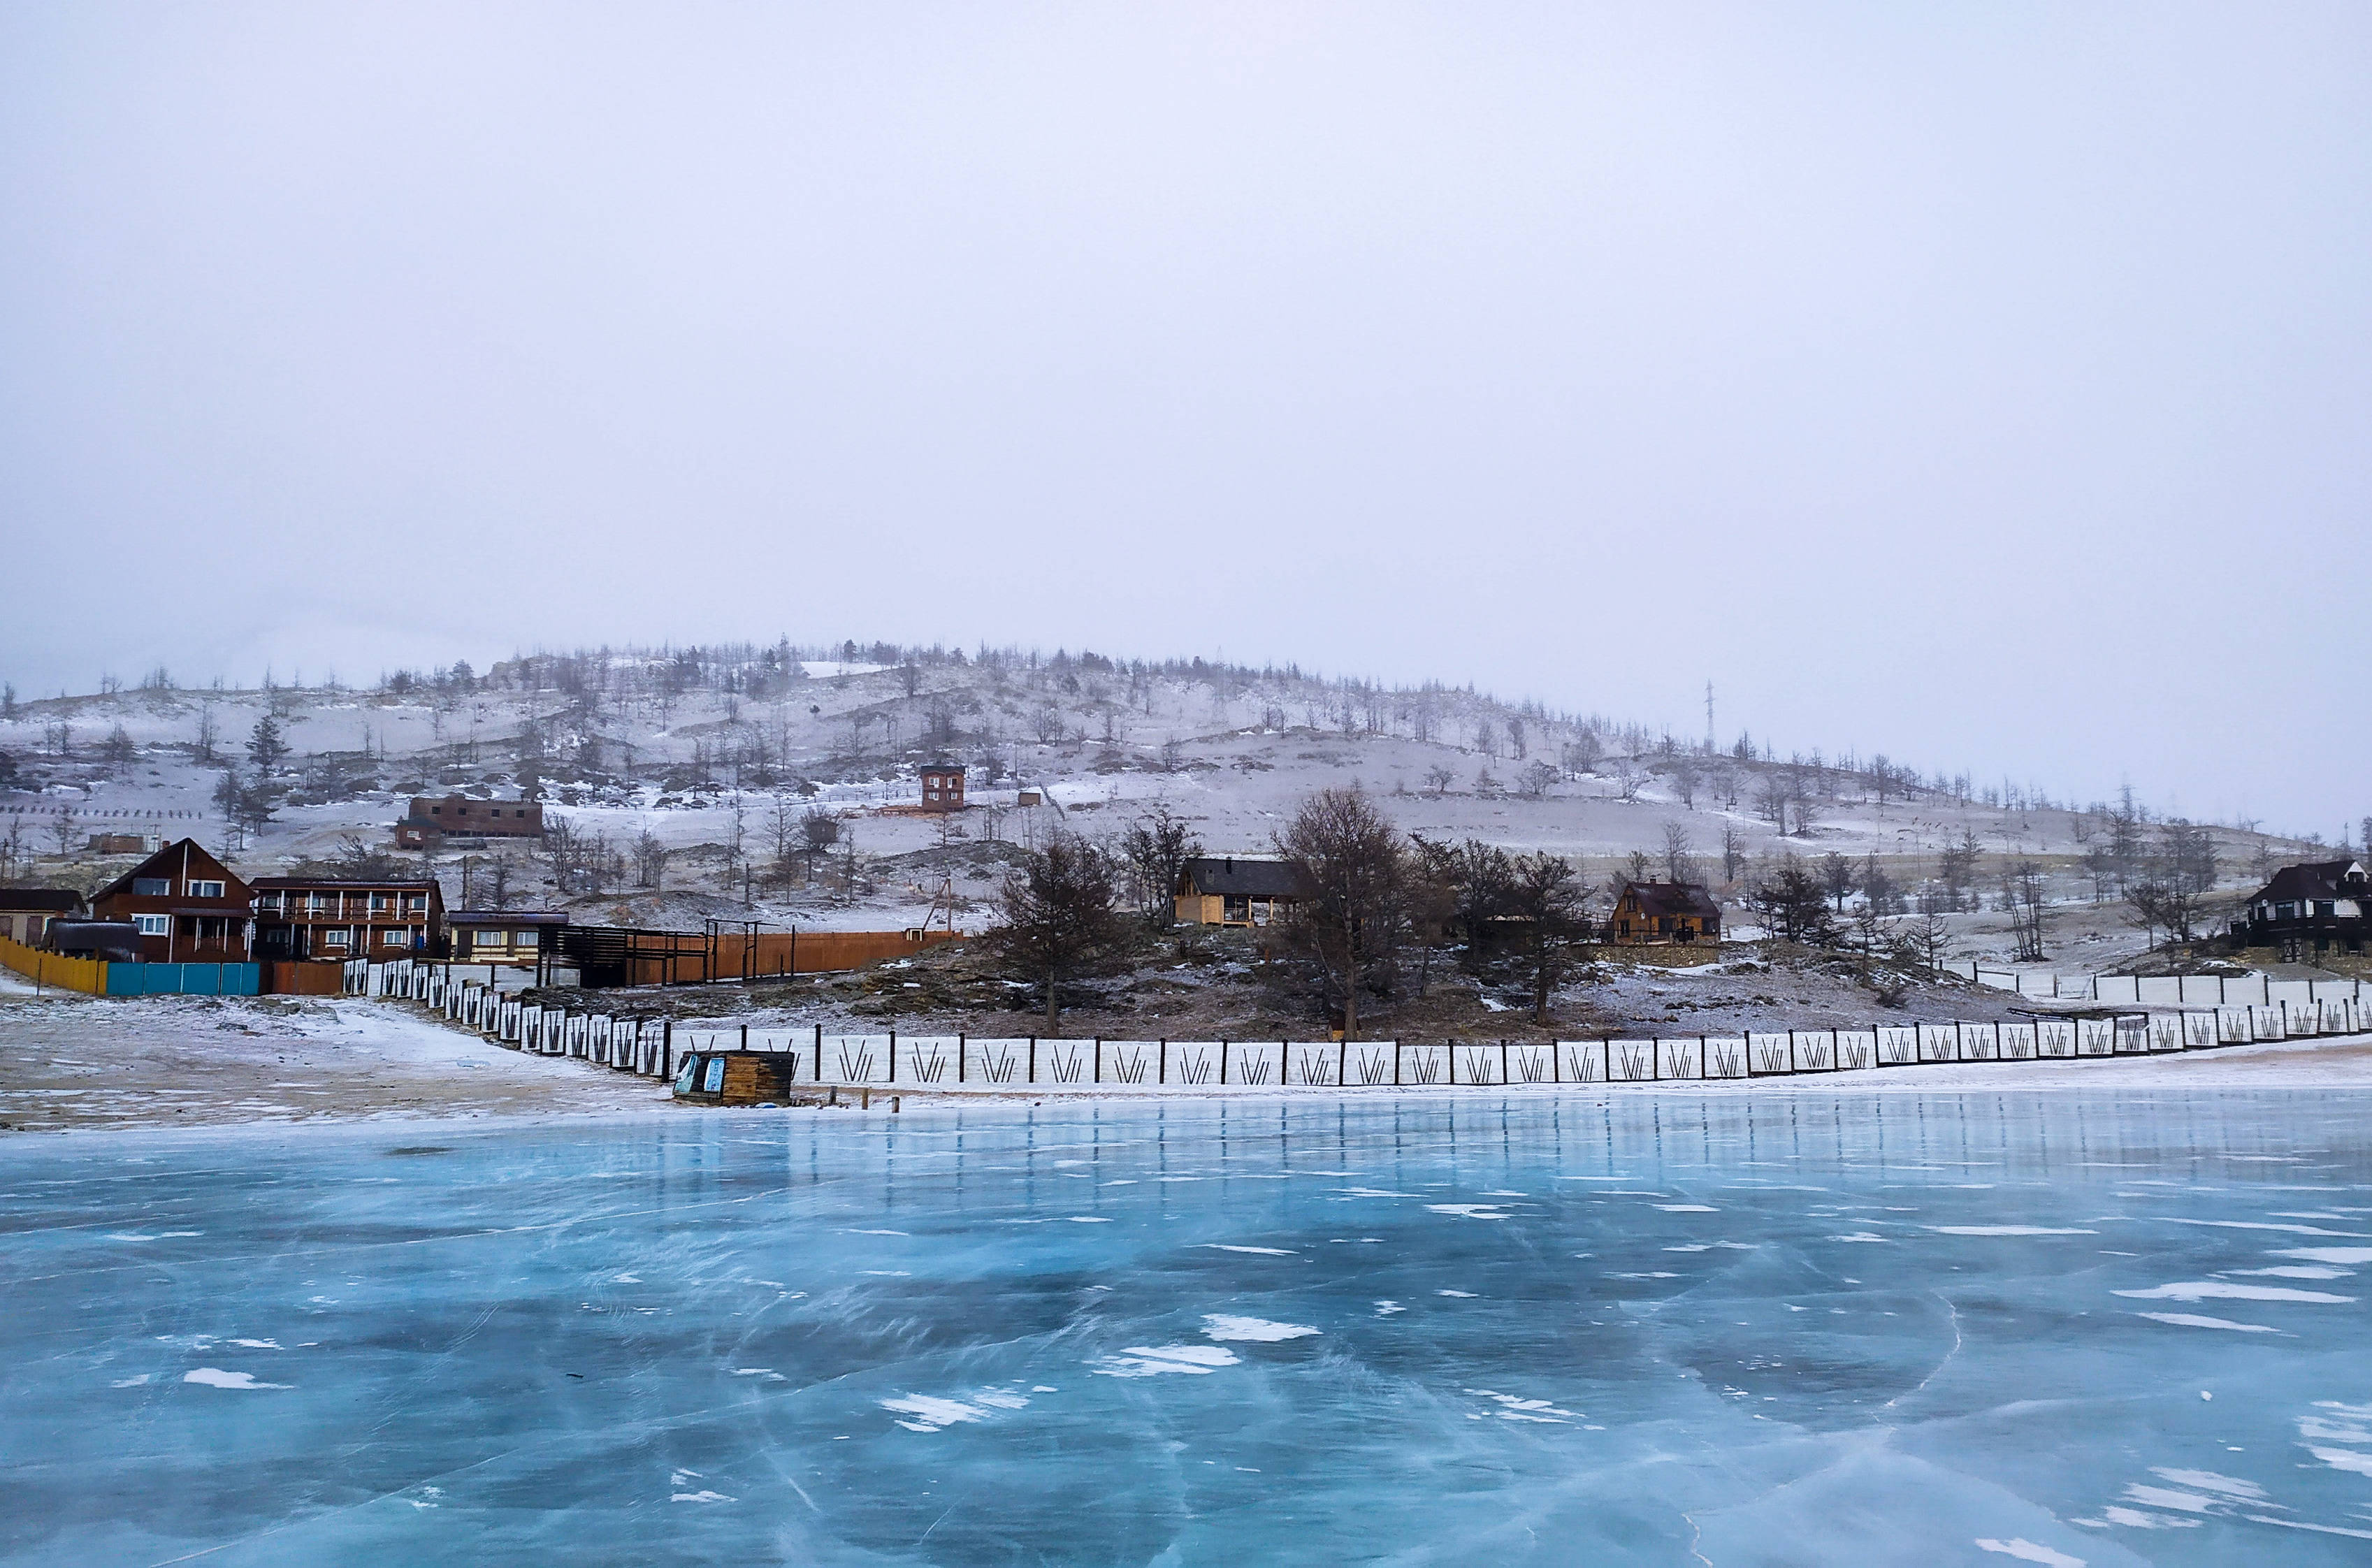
(268, 902)
(2284, 912)
(394, 936)
(2324, 908)
(153, 924)
(152, 887)
(333, 936)
(415, 900)
(523, 939)
(315, 903)
(8, 926)
(205, 890)
(382, 901)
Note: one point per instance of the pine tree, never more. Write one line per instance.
(266, 747)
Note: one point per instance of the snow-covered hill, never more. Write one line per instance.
(717, 756)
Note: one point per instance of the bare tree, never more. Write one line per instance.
(62, 829)
(1058, 920)
(1680, 865)
(1733, 852)
(1686, 779)
(1549, 905)
(1357, 872)
(2024, 887)
(1156, 847)
(209, 736)
(498, 874)
(1628, 777)
(1533, 783)
(650, 859)
(1922, 942)
(782, 825)
(1438, 778)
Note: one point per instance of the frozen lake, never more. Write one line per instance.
(1732, 1329)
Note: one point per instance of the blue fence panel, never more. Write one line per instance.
(184, 980)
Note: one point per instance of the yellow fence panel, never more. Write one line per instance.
(50, 969)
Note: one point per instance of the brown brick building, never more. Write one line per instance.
(432, 821)
(187, 907)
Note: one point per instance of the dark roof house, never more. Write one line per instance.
(2316, 904)
(1663, 912)
(1238, 890)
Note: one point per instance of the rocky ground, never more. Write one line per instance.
(1195, 984)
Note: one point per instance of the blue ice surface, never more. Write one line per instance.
(1733, 1327)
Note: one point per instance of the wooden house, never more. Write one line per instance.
(2310, 907)
(186, 906)
(26, 913)
(1656, 913)
(943, 787)
(1233, 890)
(300, 918)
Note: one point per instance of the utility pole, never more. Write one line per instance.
(1709, 740)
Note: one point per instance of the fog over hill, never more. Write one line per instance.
(696, 782)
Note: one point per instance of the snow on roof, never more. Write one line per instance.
(2314, 880)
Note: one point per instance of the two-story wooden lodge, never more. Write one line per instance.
(310, 918)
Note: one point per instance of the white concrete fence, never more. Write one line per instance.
(2169, 991)
(654, 1047)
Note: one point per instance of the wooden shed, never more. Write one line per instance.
(742, 1077)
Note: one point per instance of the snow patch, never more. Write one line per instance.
(1259, 1330)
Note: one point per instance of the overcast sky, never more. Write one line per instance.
(1984, 384)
